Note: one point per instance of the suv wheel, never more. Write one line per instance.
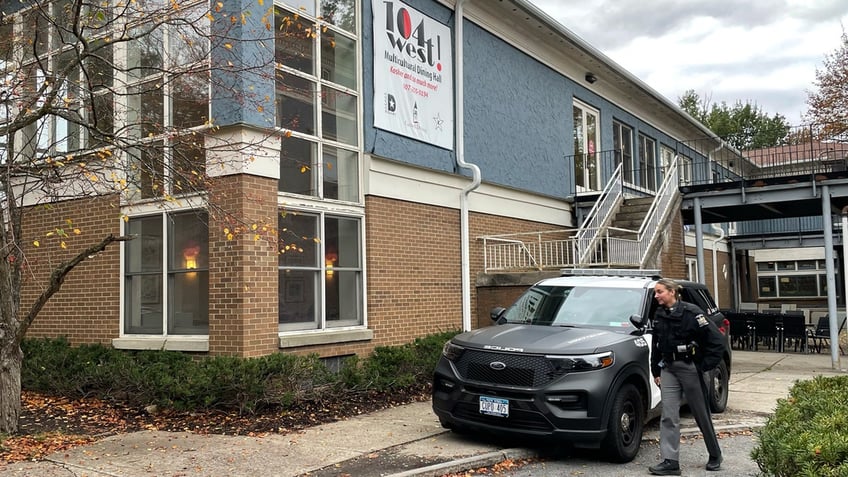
(626, 422)
(719, 388)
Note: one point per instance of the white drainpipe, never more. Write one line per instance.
(460, 161)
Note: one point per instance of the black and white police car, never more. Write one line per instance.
(568, 360)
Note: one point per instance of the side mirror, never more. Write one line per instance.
(638, 321)
(497, 315)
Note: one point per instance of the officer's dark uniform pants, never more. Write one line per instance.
(679, 378)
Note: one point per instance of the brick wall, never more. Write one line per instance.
(672, 259)
(414, 274)
(87, 307)
(243, 299)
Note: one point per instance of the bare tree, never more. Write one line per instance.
(83, 117)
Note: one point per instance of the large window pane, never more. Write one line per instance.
(298, 295)
(338, 59)
(143, 282)
(295, 41)
(296, 104)
(341, 243)
(768, 286)
(145, 55)
(341, 13)
(339, 116)
(187, 43)
(298, 240)
(190, 100)
(188, 161)
(145, 109)
(343, 298)
(298, 161)
(798, 285)
(189, 242)
(341, 174)
(188, 278)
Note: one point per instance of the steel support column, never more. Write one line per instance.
(827, 223)
(699, 241)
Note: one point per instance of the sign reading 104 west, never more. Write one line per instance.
(413, 74)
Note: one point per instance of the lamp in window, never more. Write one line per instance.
(329, 259)
(190, 254)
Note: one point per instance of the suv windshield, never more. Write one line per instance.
(566, 306)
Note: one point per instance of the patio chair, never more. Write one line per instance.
(765, 330)
(740, 330)
(821, 336)
(794, 332)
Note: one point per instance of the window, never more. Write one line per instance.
(320, 271)
(317, 94)
(792, 278)
(646, 173)
(166, 275)
(167, 100)
(692, 269)
(622, 140)
(81, 115)
(586, 140)
(152, 91)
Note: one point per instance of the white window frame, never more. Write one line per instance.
(317, 203)
(587, 152)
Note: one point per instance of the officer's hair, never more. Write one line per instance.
(671, 285)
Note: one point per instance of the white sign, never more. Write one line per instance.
(413, 74)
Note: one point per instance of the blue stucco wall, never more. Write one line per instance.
(518, 115)
(242, 59)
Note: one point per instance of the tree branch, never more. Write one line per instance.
(57, 278)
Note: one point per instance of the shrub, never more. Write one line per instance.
(176, 380)
(808, 433)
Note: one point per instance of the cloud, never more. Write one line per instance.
(762, 51)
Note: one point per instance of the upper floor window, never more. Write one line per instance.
(646, 173)
(167, 100)
(318, 96)
(622, 140)
(134, 78)
(586, 139)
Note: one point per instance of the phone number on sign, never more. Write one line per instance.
(415, 90)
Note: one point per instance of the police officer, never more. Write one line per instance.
(685, 345)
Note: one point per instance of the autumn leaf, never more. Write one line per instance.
(36, 243)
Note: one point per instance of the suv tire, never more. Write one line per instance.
(719, 388)
(626, 423)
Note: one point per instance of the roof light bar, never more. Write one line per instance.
(606, 272)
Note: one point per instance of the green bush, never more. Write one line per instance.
(177, 380)
(808, 433)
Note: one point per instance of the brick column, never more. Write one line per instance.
(243, 299)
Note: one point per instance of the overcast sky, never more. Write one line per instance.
(762, 51)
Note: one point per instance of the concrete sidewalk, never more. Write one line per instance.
(401, 441)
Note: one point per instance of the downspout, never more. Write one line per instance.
(460, 161)
(715, 265)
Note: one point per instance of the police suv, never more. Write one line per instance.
(568, 360)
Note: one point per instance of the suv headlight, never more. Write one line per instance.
(452, 352)
(587, 362)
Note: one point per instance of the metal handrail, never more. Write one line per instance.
(658, 211)
(586, 237)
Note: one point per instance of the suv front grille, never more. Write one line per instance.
(520, 370)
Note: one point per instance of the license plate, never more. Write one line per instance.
(494, 406)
